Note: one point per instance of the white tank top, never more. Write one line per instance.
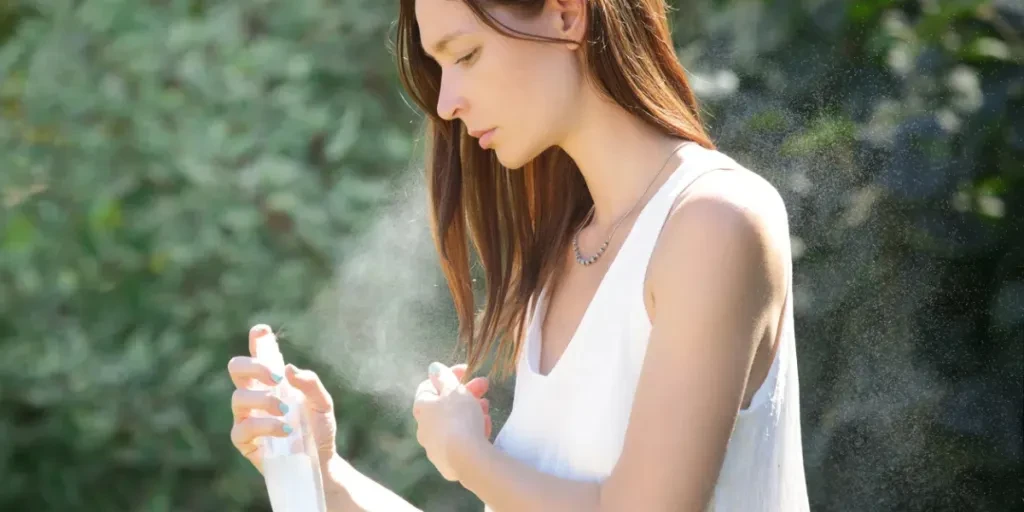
(572, 422)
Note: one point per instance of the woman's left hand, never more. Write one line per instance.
(450, 416)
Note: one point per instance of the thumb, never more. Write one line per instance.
(308, 382)
(443, 378)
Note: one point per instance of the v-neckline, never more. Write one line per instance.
(535, 331)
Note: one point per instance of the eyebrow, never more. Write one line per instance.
(441, 46)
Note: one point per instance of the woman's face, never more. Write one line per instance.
(516, 97)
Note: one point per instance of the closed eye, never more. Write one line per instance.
(468, 56)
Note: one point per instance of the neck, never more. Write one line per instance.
(619, 156)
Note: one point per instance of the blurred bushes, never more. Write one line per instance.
(896, 132)
(175, 171)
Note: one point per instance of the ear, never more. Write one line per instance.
(570, 20)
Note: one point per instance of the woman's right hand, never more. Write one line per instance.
(247, 373)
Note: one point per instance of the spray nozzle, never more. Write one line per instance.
(269, 352)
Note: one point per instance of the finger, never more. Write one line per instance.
(243, 401)
(444, 380)
(425, 394)
(246, 432)
(478, 386)
(485, 406)
(487, 427)
(244, 370)
(309, 383)
(460, 371)
(425, 389)
(256, 332)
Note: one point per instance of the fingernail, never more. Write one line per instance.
(260, 329)
(284, 408)
(276, 377)
(435, 368)
(287, 428)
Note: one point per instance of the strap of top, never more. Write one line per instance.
(697, 161)
(639, 244)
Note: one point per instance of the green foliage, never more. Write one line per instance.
(173, 172)
(894, 130)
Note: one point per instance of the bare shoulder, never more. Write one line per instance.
(731, 223)
(732, 192)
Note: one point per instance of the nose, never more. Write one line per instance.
(450, 101)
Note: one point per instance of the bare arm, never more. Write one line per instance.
(717, 287)
(348, 490)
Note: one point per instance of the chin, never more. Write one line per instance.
(514, 160)
(509, 161)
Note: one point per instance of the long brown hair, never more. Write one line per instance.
(520, 222)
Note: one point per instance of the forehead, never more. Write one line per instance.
(439, 18)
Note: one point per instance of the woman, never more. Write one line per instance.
(638, 280)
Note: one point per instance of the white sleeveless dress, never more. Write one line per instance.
(572, 422)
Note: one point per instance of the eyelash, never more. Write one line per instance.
(468, 56)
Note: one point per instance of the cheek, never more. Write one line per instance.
(534, 79)
(528, 90)
(544, 97)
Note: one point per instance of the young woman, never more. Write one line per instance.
(638, 281)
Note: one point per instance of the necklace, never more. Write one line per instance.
(587, 261)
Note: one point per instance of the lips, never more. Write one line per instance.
(484, 136)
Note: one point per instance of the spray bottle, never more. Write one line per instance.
(291, 465)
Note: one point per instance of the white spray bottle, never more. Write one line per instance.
(291, 465)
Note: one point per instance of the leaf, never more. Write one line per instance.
(19, 233)
(825, 134)
(105, 215)
(347, 134)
